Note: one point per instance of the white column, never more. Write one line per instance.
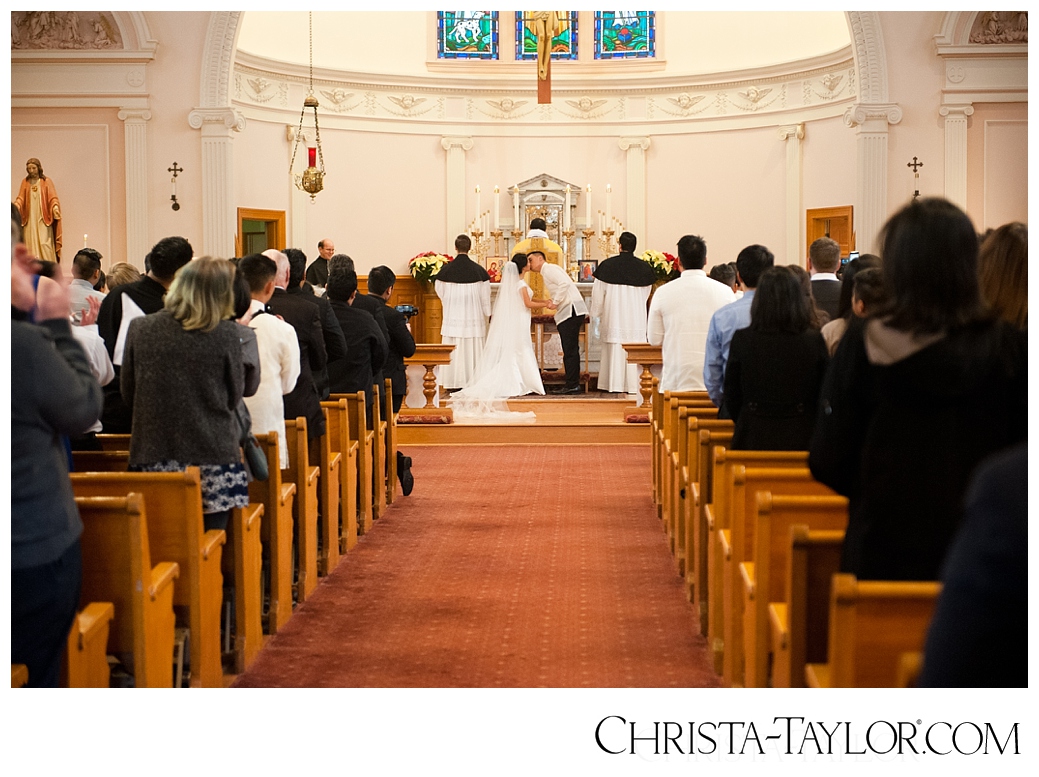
(135, 140)
(956, 152)
(455, 184)
(219, 217)
(871, 121)
(792, 135)
(635, 200)
(299, 200)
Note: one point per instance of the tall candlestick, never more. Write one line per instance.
(478, 201)
(496, 224)
(566, 210)
(588, 207)
(516, 226)
(609, 209)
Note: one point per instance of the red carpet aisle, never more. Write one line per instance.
(507, 567)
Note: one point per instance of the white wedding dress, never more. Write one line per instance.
(507, 367)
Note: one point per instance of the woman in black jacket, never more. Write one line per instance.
(775, 368)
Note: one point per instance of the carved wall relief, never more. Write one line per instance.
(1000, 27)
(64, 30)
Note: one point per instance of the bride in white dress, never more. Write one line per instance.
(507, 367)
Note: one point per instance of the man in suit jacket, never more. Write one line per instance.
(305, 318)
(464, 289)
(824, 257)
(335, 342)
(366, 346)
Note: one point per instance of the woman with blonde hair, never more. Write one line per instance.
(183, 376)
(1003, 273)
(121, 273)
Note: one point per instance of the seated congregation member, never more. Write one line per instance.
(680, 315)
(751, 262)
(978, 636)
(130, 301)
(335, 343)
(366, 346)
(834, 329)
(1003, 269)
(916, 396)
(53, 394)
(305, 318)
(400, 344)
(279, 352)
(183, 375)
(775, 368)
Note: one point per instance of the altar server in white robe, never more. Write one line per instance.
(464, 289)
(680, 315)
(619, 297)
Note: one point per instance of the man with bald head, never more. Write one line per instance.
(305, 318)
(317, 273)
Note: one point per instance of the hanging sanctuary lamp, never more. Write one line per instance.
(313, 179)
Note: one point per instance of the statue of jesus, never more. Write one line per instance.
(37, 202)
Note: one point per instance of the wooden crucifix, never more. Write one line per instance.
(546, 25)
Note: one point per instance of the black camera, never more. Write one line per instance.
(407, 310)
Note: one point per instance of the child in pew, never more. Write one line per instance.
(54, 393)
(183, 373)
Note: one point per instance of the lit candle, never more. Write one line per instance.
(477, 202)
(609, 209)
(84, 240)
(566, 210)
(588, 207)
(515, 209)
(497, 225)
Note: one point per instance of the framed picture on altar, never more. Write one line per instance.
(493, 266)
(586, 270)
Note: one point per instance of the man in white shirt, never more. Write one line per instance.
(279, 352)
(619, 295)
(464, 289)
(824, 257)
(86, 271)
(680, 315)
(570, 312)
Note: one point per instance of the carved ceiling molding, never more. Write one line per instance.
(985, 56)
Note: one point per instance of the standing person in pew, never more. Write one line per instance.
(834, 330)
(366, 346)
(775, 368)
(130, 301)
(53, 393)
(399, 344)
(916, 396)
(183, 375)
(279, 352)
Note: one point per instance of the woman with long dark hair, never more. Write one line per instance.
(916, 396)
(775, 368)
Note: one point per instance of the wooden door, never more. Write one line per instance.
(259, 230)
(834, 223)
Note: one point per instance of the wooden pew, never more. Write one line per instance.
(675, 448)
(86, 650)
(328, 492)
(100, 461)
(747, 483)
(19, 675)
(762, 575)
(656, 436)
(662, 439)
(175, 533)
(305, 476)
(391, 442)
(365, 438)
(716, 517)
(247, 548)
(696, 573)
(872, 622)
(379, 433)
(114, 442)
(909, 667)
(117, 567)
(337, 430)
(688, 464)
(799, 622)
(276, 531)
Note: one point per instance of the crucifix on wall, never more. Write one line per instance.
(546, 25)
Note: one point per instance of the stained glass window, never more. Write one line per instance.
(621, 34)
(467, 34)
(564, 45)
